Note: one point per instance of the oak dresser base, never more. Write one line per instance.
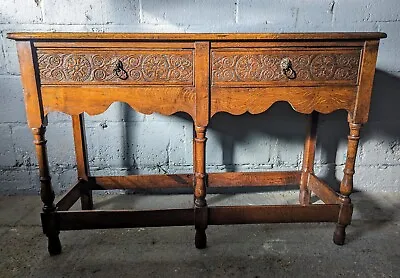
(200, 74)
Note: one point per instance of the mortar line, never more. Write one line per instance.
(16, 75)
(72, 167)
(333, 12)
(384, 21)
(103, 27)
(168, 152)
(140, 11)
(41, 6)
(237, 11)
(297, 17)
(3, 51)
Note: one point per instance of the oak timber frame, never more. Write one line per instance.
(205, 99)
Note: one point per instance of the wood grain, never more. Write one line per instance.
(30, 84)
(82, 163)
(70, 197)
(193, 36)
(249, 67)
(308, 159)
(202, 84)
(102, 45)
(238, 179)
(322, 190)
(279, 44)
(142, 182)
(94, 66)
(78, 129)
(102, 219)
(37, 122)
(95, 100)
(226, 179)
(272, 214)
(201, 75)
(237, 101)
(361, 110)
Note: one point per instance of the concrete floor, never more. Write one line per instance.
(268, 250)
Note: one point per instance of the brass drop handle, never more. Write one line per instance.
(120, 72)
(286, 67)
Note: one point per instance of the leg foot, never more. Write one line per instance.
(200, 239)
(54, 245)
(339, 235)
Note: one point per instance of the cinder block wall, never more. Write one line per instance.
(122, 141)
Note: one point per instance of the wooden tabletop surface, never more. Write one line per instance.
(194, 36)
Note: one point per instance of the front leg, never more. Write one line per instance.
(200, 203)
(49, 222)
(37, 121)
(346, 186)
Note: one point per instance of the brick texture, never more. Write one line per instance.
(122, 141)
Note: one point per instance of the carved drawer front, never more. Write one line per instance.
(130, 67)
(299, 67)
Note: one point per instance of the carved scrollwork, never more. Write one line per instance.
(77, 68)
(323, 67)
(260, 67)
(160, 68)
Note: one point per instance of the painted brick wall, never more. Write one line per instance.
(122, 141)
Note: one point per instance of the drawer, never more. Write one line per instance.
(288, 67)
(115, 66)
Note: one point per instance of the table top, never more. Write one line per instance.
(194, 36)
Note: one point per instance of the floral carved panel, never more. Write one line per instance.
(265, 67)
(136, 67)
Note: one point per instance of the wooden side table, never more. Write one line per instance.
(200, 74)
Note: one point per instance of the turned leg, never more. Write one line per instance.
(78, 125)
(308, 159)
(346, 186)
(200, 203)
(49, 222)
